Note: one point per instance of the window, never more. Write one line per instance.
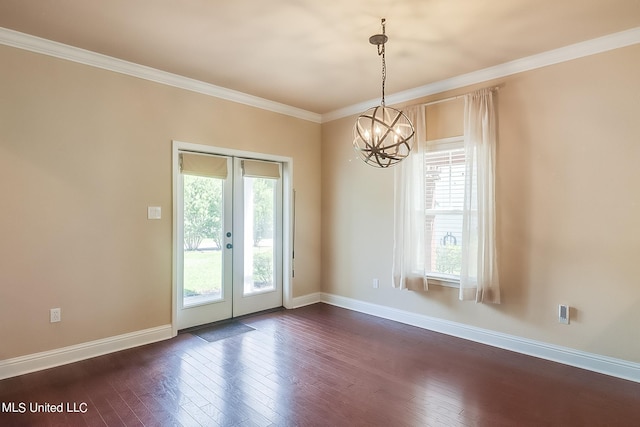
(444, 169)
(444, 206)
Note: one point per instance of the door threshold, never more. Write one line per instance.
(229, 320)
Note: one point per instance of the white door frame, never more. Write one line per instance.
(287, 215)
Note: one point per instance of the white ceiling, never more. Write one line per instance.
(314, 54)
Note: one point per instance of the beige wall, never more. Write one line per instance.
(83, 152)
(568, 211)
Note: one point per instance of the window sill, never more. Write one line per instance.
(443, 281)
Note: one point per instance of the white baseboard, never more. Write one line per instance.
(309, 299)
(580, 359)
(592, 362)
(61, 356)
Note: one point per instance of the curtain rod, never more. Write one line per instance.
(451, 98)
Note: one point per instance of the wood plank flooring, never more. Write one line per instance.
(321, 366)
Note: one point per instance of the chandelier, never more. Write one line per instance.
(382, 136)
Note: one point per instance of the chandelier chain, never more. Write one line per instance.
(381, 51)
(384, 74)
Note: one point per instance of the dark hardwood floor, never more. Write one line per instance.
(321, 366)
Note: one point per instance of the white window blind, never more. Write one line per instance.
(203, 165)
(260, 169)
(444, 200)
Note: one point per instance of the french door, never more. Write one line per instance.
(228, 237)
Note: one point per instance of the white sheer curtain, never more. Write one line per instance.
(408, 268)
(479, 273)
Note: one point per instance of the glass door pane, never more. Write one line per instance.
(203, 239)
(259, 235)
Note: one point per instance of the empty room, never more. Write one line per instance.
(302, 213)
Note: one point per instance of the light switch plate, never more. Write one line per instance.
(154, 212)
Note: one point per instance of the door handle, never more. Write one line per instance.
(229, 245)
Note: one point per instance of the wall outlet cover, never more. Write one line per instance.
(563, 314)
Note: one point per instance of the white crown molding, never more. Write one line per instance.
(567, 53)
(61, 356)
(580, 359)
(59, 50)
(563, 54)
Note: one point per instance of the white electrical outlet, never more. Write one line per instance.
(563, 314)
(376, 283)
(55, 315)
